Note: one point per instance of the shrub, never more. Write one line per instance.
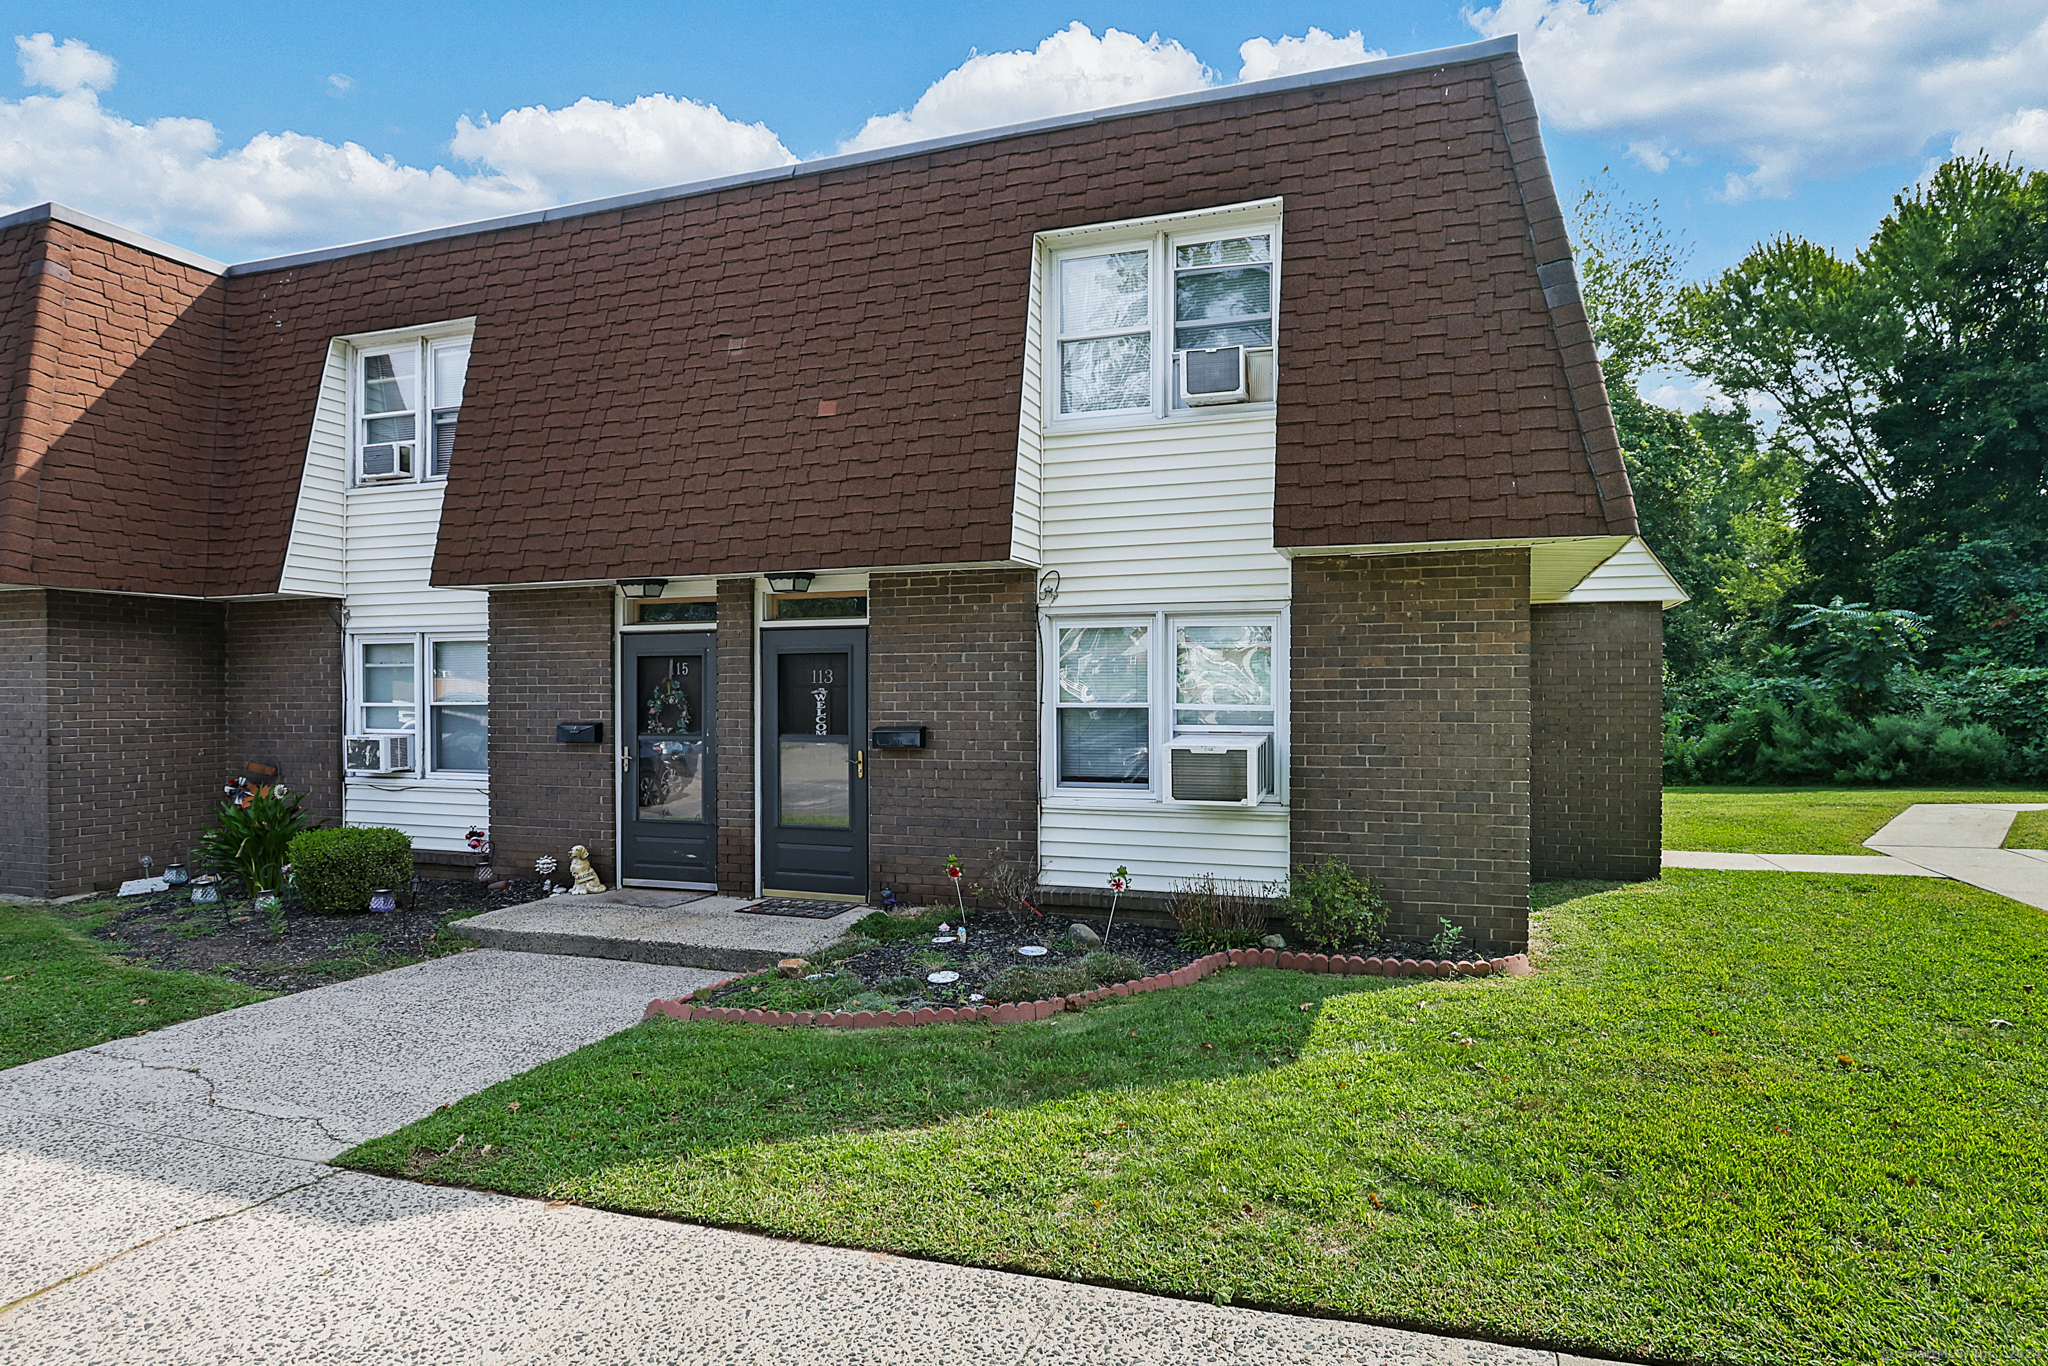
(253, 841)
(1219, 914)
(336, 870)
(1030, 983)
(1332, 907)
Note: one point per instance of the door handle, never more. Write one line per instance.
(860, 764)
(625, 758)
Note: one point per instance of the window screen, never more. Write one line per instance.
(389, 698)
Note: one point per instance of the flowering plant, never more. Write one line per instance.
(251, 833)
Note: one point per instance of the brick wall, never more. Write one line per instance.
(1411, 719)
(24, 746)
(735, 737)
(284, 696)
(1596, 770)
(551, 661)
(957, 652)
(137, 726)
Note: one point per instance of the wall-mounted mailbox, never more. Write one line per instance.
(898, 737)
(579, 732)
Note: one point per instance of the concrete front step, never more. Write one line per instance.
(644, 925)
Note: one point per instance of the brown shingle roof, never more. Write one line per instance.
(644, 394)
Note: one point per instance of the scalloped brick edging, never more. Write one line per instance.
(1021, 1012)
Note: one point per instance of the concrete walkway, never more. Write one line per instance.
(163, 1199)
(1958, 840)
(644, 925)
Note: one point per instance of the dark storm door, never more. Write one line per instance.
(814, 810)
(669, 793)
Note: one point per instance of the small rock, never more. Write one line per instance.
(1272, 941)
(1080, 934)
(498, 886)
(793, 967)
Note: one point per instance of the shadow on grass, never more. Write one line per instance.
(688, 1090)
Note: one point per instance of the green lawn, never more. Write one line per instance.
(2029, 831)
(1800, 820)
(1736, 1117)
(60, 990)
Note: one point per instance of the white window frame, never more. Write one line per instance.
(425, 341)
(422, 733)
(1158, 237)
(1164, 693)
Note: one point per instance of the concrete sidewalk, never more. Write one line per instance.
(1958, 840)
(164, 1199)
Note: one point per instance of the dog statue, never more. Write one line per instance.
(585, 875)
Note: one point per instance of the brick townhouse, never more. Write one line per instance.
(1200, 486)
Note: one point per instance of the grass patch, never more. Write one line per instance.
(59, 990)
(1801, 820)
(2029, 831)
(1027, 983)
(1755, 1118)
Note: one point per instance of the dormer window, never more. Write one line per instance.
(408, 397)
(1169, 318)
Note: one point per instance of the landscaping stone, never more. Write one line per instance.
(793, 967)
(1082, 935)
(1273, 941)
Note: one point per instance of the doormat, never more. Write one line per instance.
(809, 910)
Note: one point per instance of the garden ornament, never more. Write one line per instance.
(1119, 883)
(585, 875)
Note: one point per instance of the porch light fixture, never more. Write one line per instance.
(642, 588)
(791, 583)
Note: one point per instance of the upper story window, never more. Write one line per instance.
(408, 396)
(1163, 325)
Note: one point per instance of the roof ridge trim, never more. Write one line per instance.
(113, 232)
(1505, 45)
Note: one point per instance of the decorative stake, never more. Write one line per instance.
(1119, 883)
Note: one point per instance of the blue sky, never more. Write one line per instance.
(1743, 120)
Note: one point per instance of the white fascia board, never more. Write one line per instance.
(1223, 215)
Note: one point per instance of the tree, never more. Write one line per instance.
(1629, 277)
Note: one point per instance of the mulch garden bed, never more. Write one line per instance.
(231, 938)
(892, 974)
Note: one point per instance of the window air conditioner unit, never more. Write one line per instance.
(371, 754)
(1220, 770)
(1216, 375)
(388, 460)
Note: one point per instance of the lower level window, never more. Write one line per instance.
(434, 688)
(1124, 690)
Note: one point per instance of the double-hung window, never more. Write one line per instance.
(408, 396)
(434, 688)
(1125, 315)
(1125, 688)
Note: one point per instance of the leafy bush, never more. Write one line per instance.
(1332, 907)
(336, 870)
(1813, 739)
(1219, 914)
(253, 842)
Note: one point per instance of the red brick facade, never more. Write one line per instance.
(1411, 733)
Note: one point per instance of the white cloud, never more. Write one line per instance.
(340, 83)
(285, 191)
(69, 65)
(2021, 135)
(601, 148)
(1071, 71)
(1786, 89)
(1265, 58)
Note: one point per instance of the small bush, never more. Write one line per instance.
(254, 841)
(336, 870)
(1107, 969)
(1219, 914)
(1332, 907)
(1037, 983)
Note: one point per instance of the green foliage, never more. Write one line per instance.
(1855, 648)
(1811, 738)
(60, 991)
(253, 842)
(1629, 269)
(1985, 598)
(1216, 913)
(1748, 1119)
(1027, 982)
(1332, 907)
(336, 870)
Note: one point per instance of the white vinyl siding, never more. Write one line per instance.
(1025, 507)
(1081, 847)
(373, 547)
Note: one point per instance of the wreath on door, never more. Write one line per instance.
(668, 696)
